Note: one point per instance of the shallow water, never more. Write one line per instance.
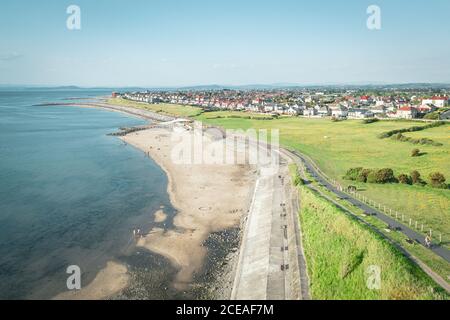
(69, 194)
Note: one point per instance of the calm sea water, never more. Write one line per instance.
(69, 194)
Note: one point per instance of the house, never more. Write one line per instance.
(269, 108)
(292, 111)
(378, 110)
(324, 111)
(423, 110)
(253, 108)
(379, 102)
(358, 113)
(437, 101)
(339, 112)
(310, 112)
(406, 112)
(364, 99)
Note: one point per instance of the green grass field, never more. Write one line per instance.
(236, 115)
(338, 146)
(340, 252)
(436, 263)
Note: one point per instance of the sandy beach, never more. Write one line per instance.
(208, 197)
(109, 281)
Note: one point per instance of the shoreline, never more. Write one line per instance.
(203, 201)
(205, 208)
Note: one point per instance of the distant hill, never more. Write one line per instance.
(343, 86)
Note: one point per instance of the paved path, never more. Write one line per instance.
(259, 275)
(271, 266)
(441, 251)
(411, 234)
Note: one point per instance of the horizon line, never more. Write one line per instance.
(279, 85)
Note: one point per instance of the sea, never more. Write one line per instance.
(70, 194)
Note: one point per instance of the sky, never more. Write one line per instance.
(155, 43)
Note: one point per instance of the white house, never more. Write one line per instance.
(323, 111)
(292, 111)
(378, 110)
(438, 102)
(359, 113)
(310, 112)
(406, 112)
(339, 112)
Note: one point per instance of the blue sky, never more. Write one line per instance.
(177, 43)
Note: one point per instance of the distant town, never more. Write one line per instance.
(337, 104)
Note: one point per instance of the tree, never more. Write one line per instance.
(437, 180)
(415, 153)
(404, 178)
(362, 176)
(385, 175)
(372, 177)
(353, 173)
(415, 178)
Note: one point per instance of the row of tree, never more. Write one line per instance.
(386, 175)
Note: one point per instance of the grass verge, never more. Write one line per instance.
(341, 250)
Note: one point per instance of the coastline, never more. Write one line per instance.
(211, 201)
(207, 199)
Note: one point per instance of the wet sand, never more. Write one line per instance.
(209, 198)
(108, 282)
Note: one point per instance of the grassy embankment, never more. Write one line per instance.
(436, 263)
(340, 251)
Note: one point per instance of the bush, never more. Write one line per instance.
(372, 177)
(360, 174)
(415, 153)
(353, 173)
(432, 116)
(401, 137)
(404, 179)
(371, 120)
(411, 129)
(416, 179)
(437, 180)
(385, 175)
(363, 174)
(298, 181)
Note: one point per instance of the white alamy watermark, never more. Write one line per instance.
(213, 146)
(373, 277)
(73, 21)
(74, 280)
(374, 19)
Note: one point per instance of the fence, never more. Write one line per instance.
(413, 223)
(437, 236)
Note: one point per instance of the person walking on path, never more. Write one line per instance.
(428, 241)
